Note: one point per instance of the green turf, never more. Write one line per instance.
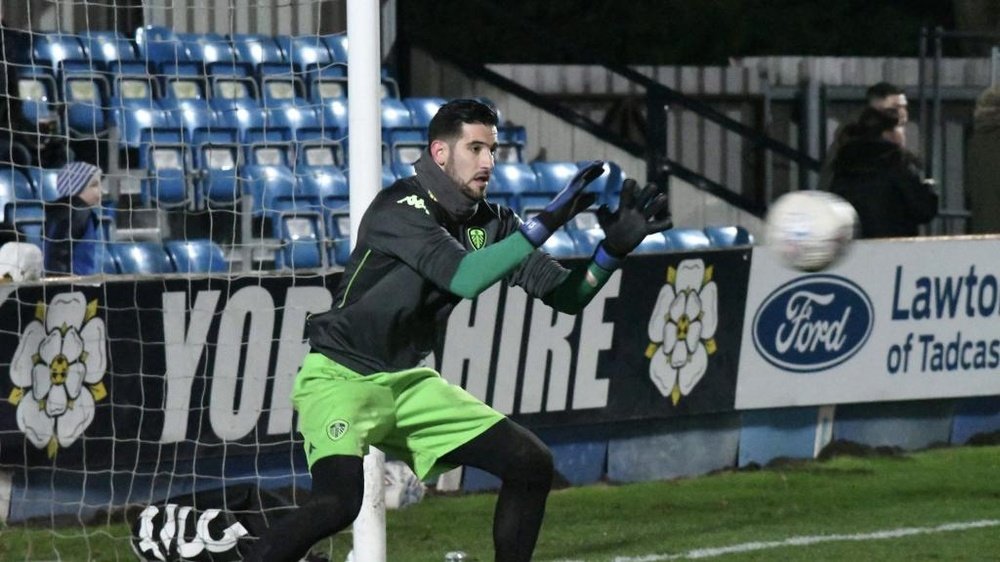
(596, 523)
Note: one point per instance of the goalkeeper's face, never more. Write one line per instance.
(469, 159)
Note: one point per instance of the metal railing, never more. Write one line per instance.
(660, 101)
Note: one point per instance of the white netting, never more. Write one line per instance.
(221, 224)
(167, 373)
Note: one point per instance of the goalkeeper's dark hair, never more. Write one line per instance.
(881, 91)
(447, 122)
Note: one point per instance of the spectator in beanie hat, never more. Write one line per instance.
(71, 225)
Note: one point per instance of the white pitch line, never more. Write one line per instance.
(811, 539)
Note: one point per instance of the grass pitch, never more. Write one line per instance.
(835, 508)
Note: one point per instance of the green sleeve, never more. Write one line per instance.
(579, 287)
(480, 269)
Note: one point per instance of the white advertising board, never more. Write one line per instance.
(894, 320)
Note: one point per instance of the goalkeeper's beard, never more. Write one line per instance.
(473, 188)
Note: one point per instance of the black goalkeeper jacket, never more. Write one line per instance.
(392, 306)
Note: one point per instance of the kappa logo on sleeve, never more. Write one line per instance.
(415, 201)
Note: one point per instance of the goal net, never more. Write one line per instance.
(147, 376)
(147, 402)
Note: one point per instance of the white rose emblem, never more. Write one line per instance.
(682, 329)
(57, 371)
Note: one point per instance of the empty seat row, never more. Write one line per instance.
(156, 45)
(173, 256)
(581, 236)
(88, 107)
(273, 177)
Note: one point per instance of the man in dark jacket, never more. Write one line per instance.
(879, 96)
(881, 179)
(424, 244)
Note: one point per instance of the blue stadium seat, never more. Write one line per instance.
(86, 95)
(422, 109)
(134, 109)
(185, 98)
(337, 45)
(403, 170)
(157, 45)
(389, 176)
(511, 141)
(553, 176)
(52, 49)
(687, 239)
(338, 235)
(608, 185)
(301, 124)
(325, 184)
(165, 184)
(509, 181)
(560, 245)
(406, 144)
(655, 243)
(212, 50)
(322, 182)
(255, 49)
(300, 230)
(280, 88)
(320, 153)
(20, 204)
(273, 188)
(216, 161)
(38, 92)
(390, 88)
(28, 218)
(141, 258)
(586, 232)
(44, 180)
(103, 47)
(395, 114)
(106, 258)
(306, 52)
(272, 150)
(15, 187)
(328, 83)
(14, 153)
(728, 236)
(234, 100)
(196, 256)
(127, 68)
(335, 114)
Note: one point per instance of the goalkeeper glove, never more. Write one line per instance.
(564, 206)
(639, 214)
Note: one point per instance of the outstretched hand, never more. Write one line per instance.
(564, 206)
(640, 213)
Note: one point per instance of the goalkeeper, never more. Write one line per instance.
(424, 244)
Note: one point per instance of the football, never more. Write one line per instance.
(810, 230)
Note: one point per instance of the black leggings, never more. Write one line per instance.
(507, 450)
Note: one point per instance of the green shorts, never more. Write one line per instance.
(414, 415)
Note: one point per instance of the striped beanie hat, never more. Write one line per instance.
(74, 177)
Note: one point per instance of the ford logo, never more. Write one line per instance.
(813, 323)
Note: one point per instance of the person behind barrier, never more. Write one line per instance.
(881, 179)
(71, 221)
(879, 96)
(424, 244)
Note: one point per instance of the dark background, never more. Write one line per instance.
(686, 32)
